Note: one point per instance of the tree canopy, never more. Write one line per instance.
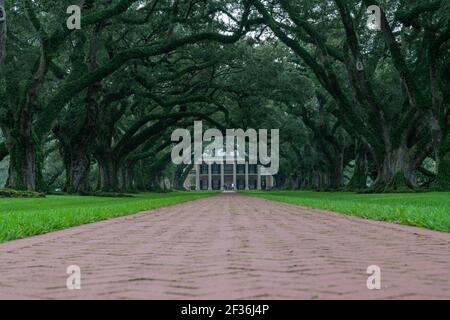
(94, 108)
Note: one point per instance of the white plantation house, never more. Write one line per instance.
(225, 176)
(228, 176)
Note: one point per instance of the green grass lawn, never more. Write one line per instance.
(427, 210)
(21, 218)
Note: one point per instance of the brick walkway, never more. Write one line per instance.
(230, 247)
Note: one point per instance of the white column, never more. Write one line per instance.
(234, 174)
(209, 177)
(246, 176)
(222, 176)
(197, 177)
(258, 182)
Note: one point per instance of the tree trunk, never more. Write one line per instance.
(308, 180)
(123, 179)
(181, 176)
(108, 173)
(359, 179)
(25, 164)
(3, 151)
(335, 176)
(2, 32)
(129, 178)
(396, 172)
(126, 178)
(77, 163)
(75, 151)
(317, 177)
(442, 182)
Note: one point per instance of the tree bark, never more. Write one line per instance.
(335, 176)
(77, 163)
(181, 175)
(125, 182)
(2, 32)
(442, 182)
(396, 172)
(108, 172)
(3, 151)
(25, 163)
(359, 178)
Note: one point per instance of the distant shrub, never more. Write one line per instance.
(107, 194)
(10, 193)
